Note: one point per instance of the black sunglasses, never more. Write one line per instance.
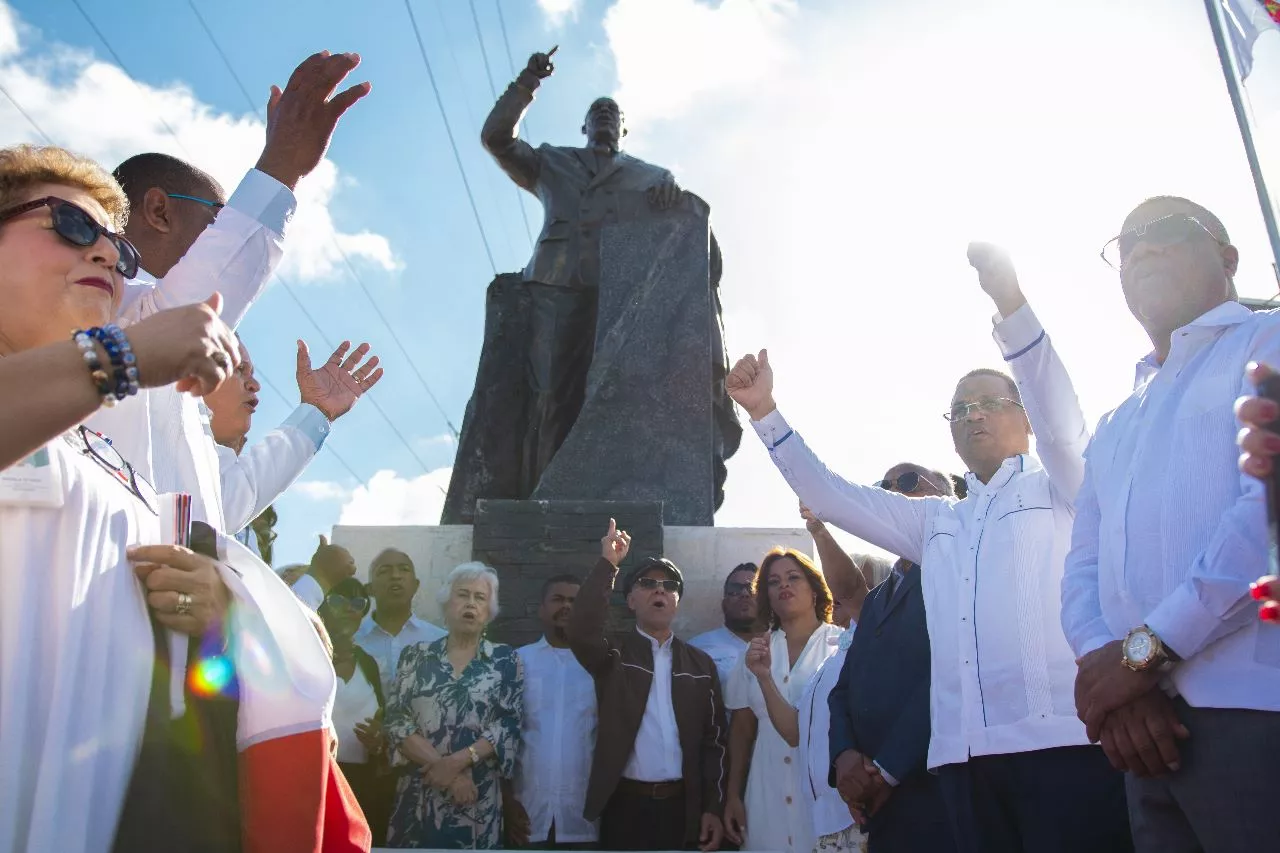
(653, 583)
(355, 602)
(908, 482)
(734, 589)
(100, 448)
(1165, 231)
(79, 228)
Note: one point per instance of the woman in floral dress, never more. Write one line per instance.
(453, 724)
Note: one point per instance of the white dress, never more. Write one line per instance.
(779, 815)
(76, 654)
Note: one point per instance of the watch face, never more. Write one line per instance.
(1138, 647)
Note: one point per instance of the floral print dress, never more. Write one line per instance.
(486, 700)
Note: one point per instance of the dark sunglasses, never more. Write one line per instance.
(1165, 231)
(79, 228)
(653, 583)
(100, 449)
(355, 602)
(732, 590)
(908, 482)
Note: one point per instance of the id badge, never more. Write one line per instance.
(34, 482)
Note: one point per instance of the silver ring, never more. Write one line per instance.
(184, 604)
(220, 359)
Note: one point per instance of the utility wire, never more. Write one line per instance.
(493, 90)
(26, 115)
(422, 48)
(337, 246)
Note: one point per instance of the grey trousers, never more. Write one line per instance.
(1223, 799)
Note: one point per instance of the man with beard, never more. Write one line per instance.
(1168, 535)
(558, 734)
(392, 626)
(729, 642)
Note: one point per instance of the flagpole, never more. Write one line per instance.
(1213, 8)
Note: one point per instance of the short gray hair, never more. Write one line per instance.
(469, 572)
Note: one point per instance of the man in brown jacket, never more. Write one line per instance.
(658, 772)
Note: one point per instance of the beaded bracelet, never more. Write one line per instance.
(91, 360)
(123, 361)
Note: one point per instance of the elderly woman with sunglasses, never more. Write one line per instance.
(77, 644)
(453, 717)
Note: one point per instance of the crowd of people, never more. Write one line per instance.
(1064, 657)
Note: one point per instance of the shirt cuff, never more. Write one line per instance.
(265, 199)
(1093, 644)
(1182, 623)
(311, 422)
(888, 777)
(1017, 334)
(772, 429)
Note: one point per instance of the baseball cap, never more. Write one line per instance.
(650, 563)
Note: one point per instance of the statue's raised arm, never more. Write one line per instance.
(499, 134)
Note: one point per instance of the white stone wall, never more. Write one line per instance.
(704, 555)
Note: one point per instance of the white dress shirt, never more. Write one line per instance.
(1002, 676)
(164, 434)
(264, 470)
(353, 703)
(310, 593)
(558, 737)
(725, 649)
(1169, 532)
(830, 814)
(385, 648)
(657, 755)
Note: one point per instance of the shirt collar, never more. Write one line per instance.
(653, 640)
(1019, 464)
(368, 626)
(1224, 316)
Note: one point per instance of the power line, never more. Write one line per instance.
(25, 115)
(493, 90)
(422, 48)
(337, 246)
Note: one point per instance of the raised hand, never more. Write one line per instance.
(750, 384)
(760, 658)
(615, 545)
(997, 276)
(334, 387)
(188, 347)
(540, 64)
(811, 522)
(301, 118)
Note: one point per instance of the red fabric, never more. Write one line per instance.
(294, 799)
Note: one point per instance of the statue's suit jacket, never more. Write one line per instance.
(576, 198)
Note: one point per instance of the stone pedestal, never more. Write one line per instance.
(704, 554)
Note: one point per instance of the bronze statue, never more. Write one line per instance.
(581, 190)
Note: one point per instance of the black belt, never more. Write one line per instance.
(652, 790)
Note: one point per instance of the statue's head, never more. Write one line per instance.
(604, 123)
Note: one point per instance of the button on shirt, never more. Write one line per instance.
(164, 434)
(657, 755)
(558, 736)
(385, 648)
(1002, 676)
(830, 814)
(1169, 532)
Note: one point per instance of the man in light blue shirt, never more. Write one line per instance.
(392, 626)
(1168, 536)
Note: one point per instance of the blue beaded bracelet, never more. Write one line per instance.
(101, 380)
(123, 361)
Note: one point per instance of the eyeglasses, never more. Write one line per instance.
(668, 584)
(79, 228)
(1165, 231)
(339, 602)
(733, 590)
(100, 449)
(215, 205)
(905, 483)
(986, 405)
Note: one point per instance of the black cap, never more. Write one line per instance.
(649, 564)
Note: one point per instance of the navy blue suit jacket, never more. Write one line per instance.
(880, 705)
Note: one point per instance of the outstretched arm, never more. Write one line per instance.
(586, 621)
(499, 134)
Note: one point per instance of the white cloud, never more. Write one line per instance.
(557, 11)
(728, 49)
(95, 109)
(321, 490)
(389, 500)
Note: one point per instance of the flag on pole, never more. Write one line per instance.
(1245, 21)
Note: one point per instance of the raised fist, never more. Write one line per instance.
(750, 384)
(540, 64)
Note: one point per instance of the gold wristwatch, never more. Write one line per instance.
(1143, 650)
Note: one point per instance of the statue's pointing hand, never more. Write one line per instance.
(665, 195)
(540, 64)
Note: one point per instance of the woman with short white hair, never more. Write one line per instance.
(455, 711)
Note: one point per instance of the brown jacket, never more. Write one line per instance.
(623, 674)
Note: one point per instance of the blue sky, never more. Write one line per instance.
(849, 151)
